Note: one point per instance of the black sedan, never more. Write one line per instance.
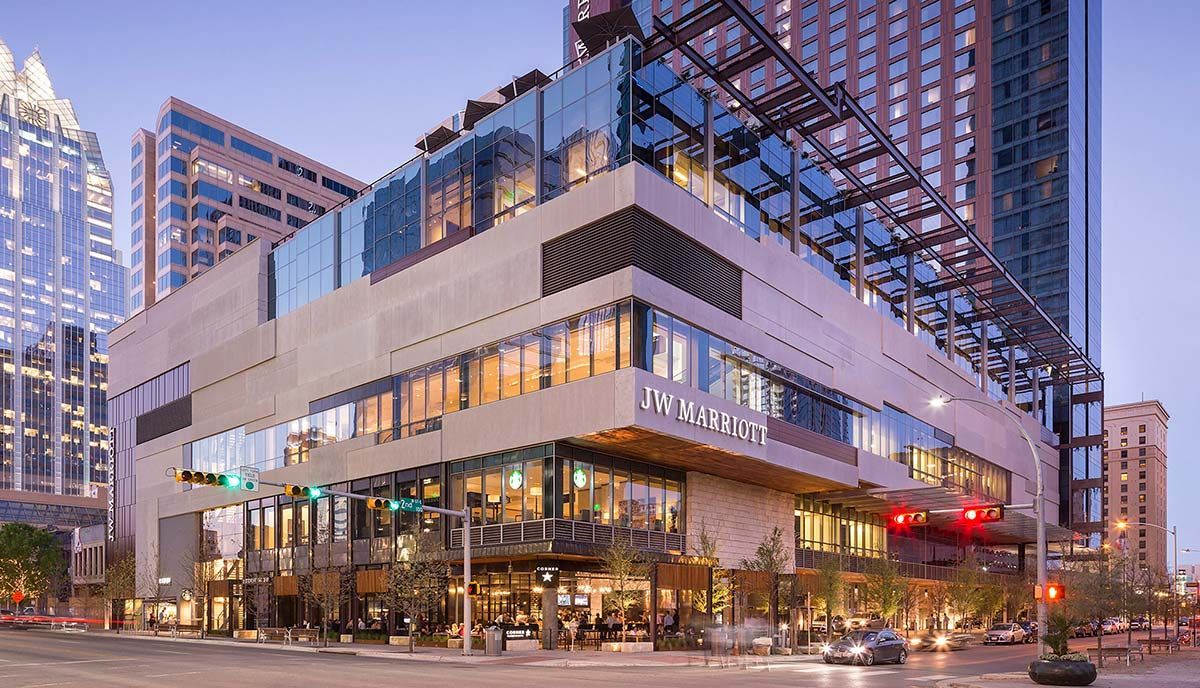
(867, 648)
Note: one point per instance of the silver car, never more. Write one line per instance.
(1007, 633)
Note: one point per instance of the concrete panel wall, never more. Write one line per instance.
(738, 516)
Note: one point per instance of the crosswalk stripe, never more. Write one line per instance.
(934, 677)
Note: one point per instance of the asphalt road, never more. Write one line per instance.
(30, 659)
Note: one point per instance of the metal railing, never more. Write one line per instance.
(853, 563)
(572, 531)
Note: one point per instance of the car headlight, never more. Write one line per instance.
(856, 650)
(940, 640)
(915, 642)
(826, 648)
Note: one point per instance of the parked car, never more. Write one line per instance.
(819, 625)
(855, 623)
(1110, 626)
(1084, 630)
(867, 648)
(939, 641)
(1030, 628)
(1007, 633)
(1139, 624)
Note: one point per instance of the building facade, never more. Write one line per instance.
(536, 322)
(62, 290)
(1135, 444)
(997, 101)
(202, 186)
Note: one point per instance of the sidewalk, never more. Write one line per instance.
(541, 658)
(1159, 671)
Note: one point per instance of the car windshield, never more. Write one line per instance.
(859, 637)
(1001, 627)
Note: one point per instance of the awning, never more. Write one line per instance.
(601, 30)
(1017, 527)
(477, 110)
(436, 139)
(521, 84)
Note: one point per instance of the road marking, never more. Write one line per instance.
(935, 677)
(172, 652)
(76, 661)
(179, 673)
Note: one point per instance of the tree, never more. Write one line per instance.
(884, 587)
(963, 592)
(31, 561)
(626, 568)
(417, 582)
(939, 601)
(120, 582)
(771, 557)
(256, 598)
(150, 580)
(195, 563)
(829, 591)
(327, 591)
(988, 601)
(1094, 590)
(910, 596)
(706, 548)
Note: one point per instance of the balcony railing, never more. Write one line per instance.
(852, 563)
(571, 531)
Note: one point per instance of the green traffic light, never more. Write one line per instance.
(315, 492)
(393, 505)
(233, 482)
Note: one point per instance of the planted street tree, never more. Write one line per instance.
(829, 591)
(706, 549)
(120, 583)
(771, 557)
(151, 582)
(884, 588)
(939, 601)
(417, 582)
(196, 565)
(327, 591)
(31, 562)
(963, 592)
(627, 570)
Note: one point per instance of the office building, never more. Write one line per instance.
(202, 186)
(597, 306)
(997, 102)
(62, 290)
(1135, 478)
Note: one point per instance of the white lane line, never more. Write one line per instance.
(171, 652)
(178, 673)
(76, 661)
(935, 677)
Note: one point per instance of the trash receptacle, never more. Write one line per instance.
(493, 641)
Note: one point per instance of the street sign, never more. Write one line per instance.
(249, 478)
(411, 504)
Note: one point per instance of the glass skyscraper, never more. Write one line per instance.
(62, 289)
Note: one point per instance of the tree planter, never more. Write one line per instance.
(1062, 673)
(397, 640)
(627, 647)
(346, 638)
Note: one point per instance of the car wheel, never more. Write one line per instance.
(902, 657)
(828, 659)
(868, 658)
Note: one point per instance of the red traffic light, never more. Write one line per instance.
(473, 589)
(1053, 592)
(983, 514)
(910, 518)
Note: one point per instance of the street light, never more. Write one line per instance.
(1039, 504)
(1124, 525)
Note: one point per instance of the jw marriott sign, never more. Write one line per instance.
(697, 414)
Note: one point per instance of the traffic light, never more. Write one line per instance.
(983, 514)
(381, 504)
(230, 481)
(473, 588)
(309, 491)
(1054, 592)
(910, 518)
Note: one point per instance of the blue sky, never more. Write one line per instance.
(354, 83)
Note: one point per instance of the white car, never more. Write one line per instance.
(1110, 626)
(1007, 633)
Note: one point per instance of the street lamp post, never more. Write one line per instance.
(1122, 525)
(1039, 506)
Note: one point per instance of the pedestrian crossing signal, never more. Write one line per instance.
(473, 588)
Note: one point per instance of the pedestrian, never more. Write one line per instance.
(668, 622)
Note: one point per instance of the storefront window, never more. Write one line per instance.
(287, 529)
(341, 518)
(322, 521)
(302, 522)
(268, 527)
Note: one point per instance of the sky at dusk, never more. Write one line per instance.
(353, 84)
